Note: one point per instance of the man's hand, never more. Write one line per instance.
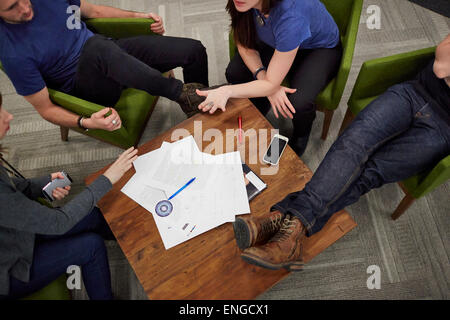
(441, 65)
(100, 120)
(59, 193)
(158, 25)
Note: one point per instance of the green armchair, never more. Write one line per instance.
(346, 14)
(134, 106)
(56, 290)
(374, 78)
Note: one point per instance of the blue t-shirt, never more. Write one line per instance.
(298, 23)
(44, 51)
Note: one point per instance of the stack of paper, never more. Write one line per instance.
(216, 196)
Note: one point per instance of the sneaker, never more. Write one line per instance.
(251, 230)
(284, 249)
(189, 99)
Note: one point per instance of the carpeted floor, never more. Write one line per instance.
(412, 252)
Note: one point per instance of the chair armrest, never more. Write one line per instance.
(437, 176)
(120, 27)
(348, 43)
(377, 75)
(74, 104)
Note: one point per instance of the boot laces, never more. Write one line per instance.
(271, 225)
(286, 229)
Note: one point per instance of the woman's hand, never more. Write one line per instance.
(59, 193)
(280, 102)
(121, 165)
(215, 99)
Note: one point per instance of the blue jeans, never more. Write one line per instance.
(82, 246)
(397, 136)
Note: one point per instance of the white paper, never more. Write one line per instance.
(216, 196)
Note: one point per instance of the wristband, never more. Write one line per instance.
(258, 71)
(80, 123)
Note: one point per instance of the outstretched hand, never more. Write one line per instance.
(280, 102)
(121, 165)
(215, 99)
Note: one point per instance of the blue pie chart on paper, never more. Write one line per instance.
(164, 208)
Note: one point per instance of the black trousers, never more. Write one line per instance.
(310, 73)
(108, 66)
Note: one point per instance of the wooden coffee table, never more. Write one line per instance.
(209, 266)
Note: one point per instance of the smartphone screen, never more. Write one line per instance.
(275, 150)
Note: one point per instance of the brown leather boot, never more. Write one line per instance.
(284, 250)
(250, 231)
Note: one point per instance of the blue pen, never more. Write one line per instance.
(181, 189)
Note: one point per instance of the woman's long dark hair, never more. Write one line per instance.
(1, 148)
(242, 24)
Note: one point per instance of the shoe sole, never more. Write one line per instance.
(241, 233)
(290, 266)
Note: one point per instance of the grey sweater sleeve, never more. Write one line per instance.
(20, 213)
(32, 188)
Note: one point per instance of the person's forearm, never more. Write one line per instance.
(251, 58)
(61, 117)
(253, 89)
(111, 12)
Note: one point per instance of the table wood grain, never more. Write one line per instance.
(209, 266)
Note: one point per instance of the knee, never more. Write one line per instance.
(197, 50)
(302, 102)
(93, 244)
(235, 73)
(371, 178)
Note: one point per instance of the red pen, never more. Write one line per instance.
(240, 129)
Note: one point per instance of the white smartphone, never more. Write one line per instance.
(276, 149)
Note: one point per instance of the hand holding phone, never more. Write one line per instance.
(276, 149)
(62, 181)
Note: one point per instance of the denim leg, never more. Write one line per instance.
(398, 160)
(386, 118)
(51, 259)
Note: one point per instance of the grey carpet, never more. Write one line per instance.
(412, 253)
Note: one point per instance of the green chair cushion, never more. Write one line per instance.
(57, 290)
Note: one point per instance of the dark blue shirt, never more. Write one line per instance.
(44, 51)
(298, 23)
